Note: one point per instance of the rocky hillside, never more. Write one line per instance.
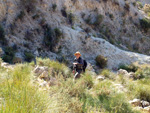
(58, 28)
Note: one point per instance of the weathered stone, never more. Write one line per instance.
(147, 109)
(39, 70)
(53, 81)
(43, 84)
(100, 77)
(122, 72)
(145, 103)
(4, 64)
(44, 75)
(131, 75)
(135, 102)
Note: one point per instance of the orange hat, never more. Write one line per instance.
(77, 53)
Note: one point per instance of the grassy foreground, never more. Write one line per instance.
(20, 94)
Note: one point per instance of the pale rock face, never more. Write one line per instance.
(90, 47)
(100, 77)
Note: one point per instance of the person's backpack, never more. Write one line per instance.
(85, 65)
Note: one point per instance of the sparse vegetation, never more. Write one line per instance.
(111, 16)
(54, 6)
(139, 5)
(127, 6)
(98, 20)
(51, 36)
(71, 18)
(101, 61)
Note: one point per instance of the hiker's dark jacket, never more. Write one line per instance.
(80, 64)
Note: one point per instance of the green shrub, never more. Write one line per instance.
(58, 33)
(71, 18)
(98, 20)
(111, 16)
(51, 36)
(129, 68)
(48, 36)
(64, 12)
(9, 54)
(127, 7)
(54, 6)
(145, 24)
(101, 61)
(20, 15)
(28, 56)
(2, 34)
(139, 4)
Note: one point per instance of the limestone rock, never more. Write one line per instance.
(147, 109)
(145, 103)
(122, 72)
(39, 70)
(43, 84)
(100, 77)
(135, 102)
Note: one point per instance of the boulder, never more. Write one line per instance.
(145, 103)
(44, 75)
(53, 81)
(43, 84)
(135, 102)
(100, 77)
(39, 70)
(147, 109)
(131, 75)
(122, 72)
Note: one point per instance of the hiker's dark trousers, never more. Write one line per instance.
(77, 74)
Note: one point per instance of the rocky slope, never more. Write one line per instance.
(28, 27)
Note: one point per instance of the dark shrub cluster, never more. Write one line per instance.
(51, 36)
(9, 54)
(145, 24)
(21, 15)
(98, 20)
(101, 61)
(54, 6)
(2, 35)
(28, 56)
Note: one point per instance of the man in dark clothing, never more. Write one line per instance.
(77, 65)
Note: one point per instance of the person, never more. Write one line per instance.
(77, 65)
